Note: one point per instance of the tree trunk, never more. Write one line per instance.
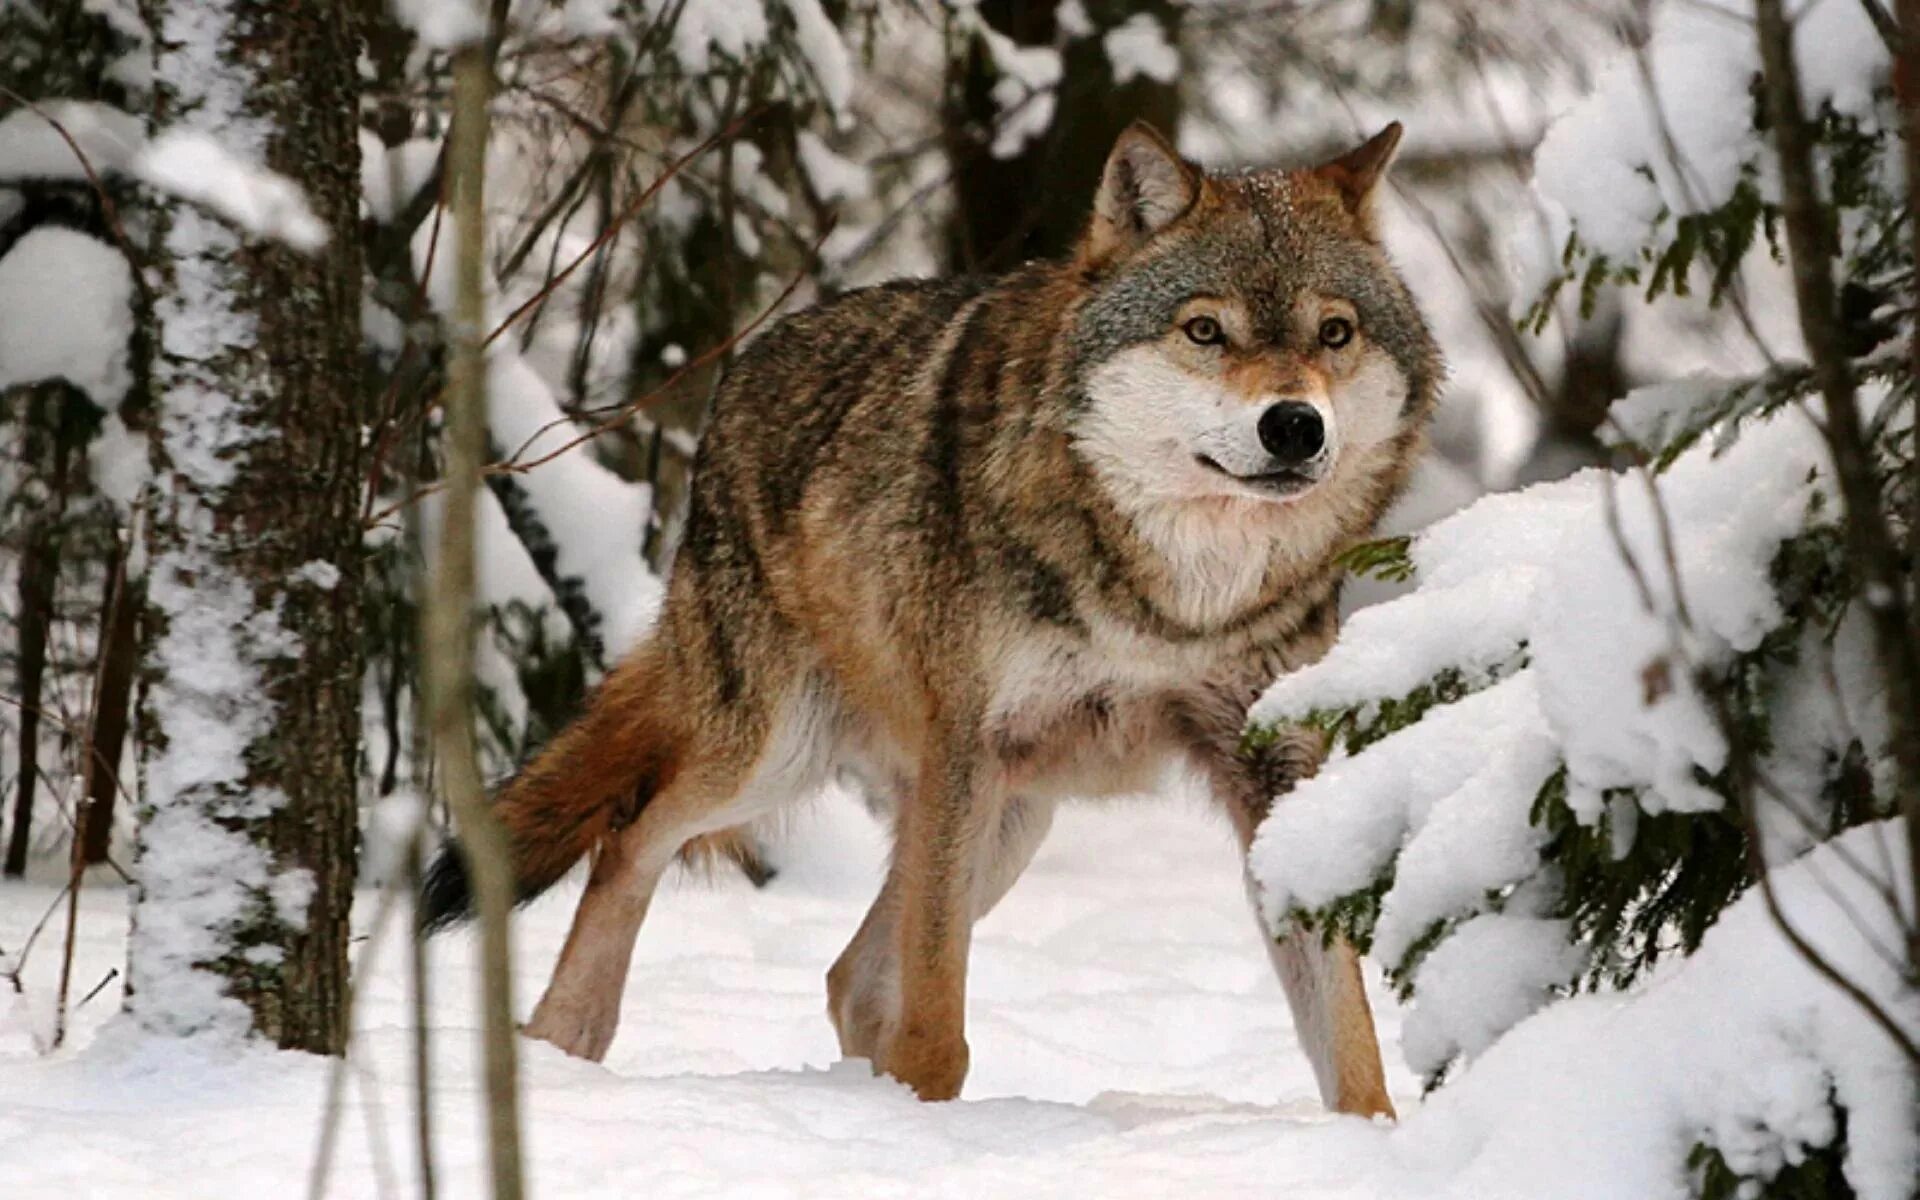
(1035, 204)
(250, 719)
(119, 620)
(49, 412)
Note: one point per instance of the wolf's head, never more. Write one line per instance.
(1245, 344)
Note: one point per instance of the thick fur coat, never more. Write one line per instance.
(989, 543)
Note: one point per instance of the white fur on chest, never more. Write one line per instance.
(1216, 559)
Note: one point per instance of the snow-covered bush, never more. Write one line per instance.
(1612, 705)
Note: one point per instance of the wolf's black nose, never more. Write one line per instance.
(1292, 432)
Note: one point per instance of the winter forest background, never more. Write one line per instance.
(1625, 802)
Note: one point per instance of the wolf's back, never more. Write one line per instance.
(775, 412)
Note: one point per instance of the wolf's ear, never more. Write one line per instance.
(1145, 187)
(1357, 173)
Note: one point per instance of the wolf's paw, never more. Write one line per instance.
(933, 1062)
(861, 1001)
(578, 1031)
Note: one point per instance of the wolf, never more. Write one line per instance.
(986, 544)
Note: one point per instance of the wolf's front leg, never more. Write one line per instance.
(863, 987)
(943, 827)
(1322, 980)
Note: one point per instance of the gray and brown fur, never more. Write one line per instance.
(924, 551)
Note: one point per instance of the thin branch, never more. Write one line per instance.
(90, 763)
(447, 625)
(1874, 555)
(628, 213)
(108, 210)
(620, 413)
(1884, 24)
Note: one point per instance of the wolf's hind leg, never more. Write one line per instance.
(581, 1008)
(863, 986)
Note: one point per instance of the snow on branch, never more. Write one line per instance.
(1733, 1059)
(195, 166)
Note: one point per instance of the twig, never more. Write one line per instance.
(26, 948)
(1874, 555)
(1740, 768)
(112, 974)
(619, 222)
(77, 853)
(620, 413)
(511, 465)
(317, 1177)
(67, 728)
(108, 210)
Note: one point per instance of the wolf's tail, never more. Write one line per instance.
(590, 782)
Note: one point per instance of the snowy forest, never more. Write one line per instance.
(354, 360)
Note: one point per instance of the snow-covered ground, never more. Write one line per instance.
(1128, 1040)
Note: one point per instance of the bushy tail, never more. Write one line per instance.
(589, 782)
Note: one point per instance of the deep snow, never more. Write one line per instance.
(1128, 1040)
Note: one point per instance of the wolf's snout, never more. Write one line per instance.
(1292, 432)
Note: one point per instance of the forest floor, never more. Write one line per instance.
(1128, 1039)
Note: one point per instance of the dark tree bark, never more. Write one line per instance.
(119, 621)
(52, 437)
(55, 50)
(1035, 204)
(250, 729)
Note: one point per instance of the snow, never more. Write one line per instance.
(1139, 49)
(595, 518)
(507, 580)
(69, 300)
(590, 18)
(31, 148)
(1655, 414)
(317, 573)
(390, 177)
(1490, 973)
(1128, 1040)
(1593, 641)
(118, 461)
(1390, 649)
(443, 24)
(1449, 795)
(1024, 92)
(835, 178)
(1540, 573)
(1740, 1045)
(206, 170)
(703, 27)
(1577, 637)
(1657, 133)
(1073, 19)
(827, 57)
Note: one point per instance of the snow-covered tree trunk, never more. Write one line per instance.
(250, 724)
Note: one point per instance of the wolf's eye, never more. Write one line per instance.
(1205, 331)
(1335, 332)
